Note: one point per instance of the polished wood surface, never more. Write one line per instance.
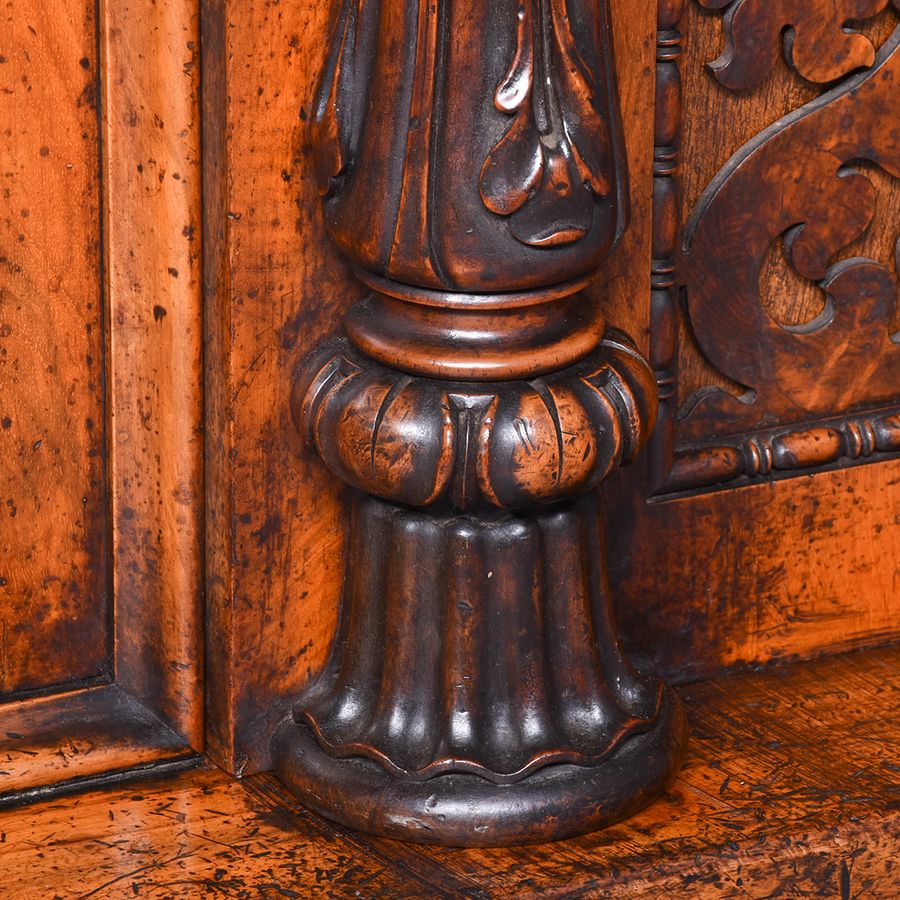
(776, 283)
(789, 572)
(771, 524)
(151, 117)
(274, 529)
(785, 792)
(102, 609)
(62, 739)
(718, 121)
(54, 598)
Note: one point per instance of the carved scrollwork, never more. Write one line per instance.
(819, 44)
(797, 181)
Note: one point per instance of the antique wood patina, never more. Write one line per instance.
(472, 166)
(101, 473)
(786, 792)
(775, 340)
(802, 373)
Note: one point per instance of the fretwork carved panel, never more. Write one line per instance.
(776, 333)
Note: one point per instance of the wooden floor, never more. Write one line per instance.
(790, 790)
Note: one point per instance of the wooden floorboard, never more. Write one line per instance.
(790, 790)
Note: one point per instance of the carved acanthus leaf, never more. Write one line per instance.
(554, 160)
(820, 44)
(335, 124)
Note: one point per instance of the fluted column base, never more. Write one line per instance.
(476, 694)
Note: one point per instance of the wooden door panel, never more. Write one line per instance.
(53, 526)
(100, 391)
(774, 334)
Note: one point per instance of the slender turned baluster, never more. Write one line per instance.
(473, 172)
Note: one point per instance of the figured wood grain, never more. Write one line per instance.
(816, 37)
(787, 569)
(796, 183)
(200, 834)
(717, 122)
(786, 792)
(152, 212)
(140, 592)
(53, 527)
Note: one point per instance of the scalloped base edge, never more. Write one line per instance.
(556, 802)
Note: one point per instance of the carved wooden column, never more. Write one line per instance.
(473, 173)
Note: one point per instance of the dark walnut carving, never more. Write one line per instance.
(785, 452)
(501, 656)
(544, 204)
(472, 170)
(476, 693)
(514, 444)
(819, 42)
(805, 386)
(553, 162)
(667, 206)
(797, 182)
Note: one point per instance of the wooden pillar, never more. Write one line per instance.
(472, 171)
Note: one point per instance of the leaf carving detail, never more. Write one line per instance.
(336, 125)
(819, 43)
(553, 162)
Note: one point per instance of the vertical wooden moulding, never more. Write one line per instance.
(275, 527)
(666, 230)
(152, 206)
(217, 331)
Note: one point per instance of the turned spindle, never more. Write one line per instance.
(472, 171)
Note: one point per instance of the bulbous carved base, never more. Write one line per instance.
(511, 444)
(476, 693)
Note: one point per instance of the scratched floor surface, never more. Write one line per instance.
(790, 789)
